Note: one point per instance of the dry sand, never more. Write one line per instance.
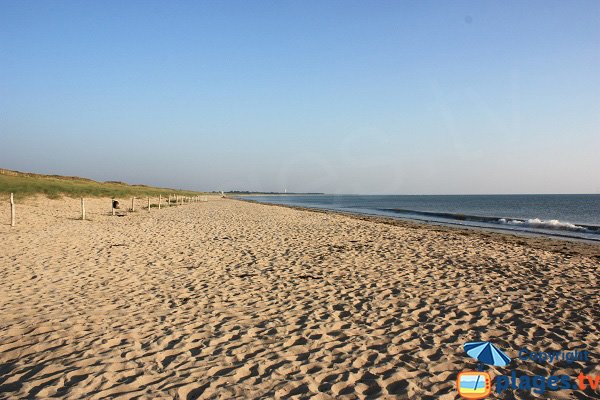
(231, 299)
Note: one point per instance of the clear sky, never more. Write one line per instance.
(398, 97)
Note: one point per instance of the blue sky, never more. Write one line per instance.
(400, 97)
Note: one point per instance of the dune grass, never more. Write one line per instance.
(54, 186)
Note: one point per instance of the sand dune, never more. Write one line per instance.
(228, 299)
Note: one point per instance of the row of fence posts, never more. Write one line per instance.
(179, 200)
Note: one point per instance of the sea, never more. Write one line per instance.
(574, 216)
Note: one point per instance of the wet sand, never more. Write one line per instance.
(230, 299)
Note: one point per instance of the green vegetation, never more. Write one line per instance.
(54, 186)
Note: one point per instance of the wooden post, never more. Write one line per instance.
(132, 204)
(12, 210)
(82, 209)
(112, 206)
(159, 200)
(148, 203)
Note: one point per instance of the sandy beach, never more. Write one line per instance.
(230, 299)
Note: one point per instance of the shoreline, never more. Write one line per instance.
(562, 244)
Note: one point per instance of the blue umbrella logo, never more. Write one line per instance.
(487, 353)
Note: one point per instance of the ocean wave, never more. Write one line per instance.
(548, 224)
(532, 223)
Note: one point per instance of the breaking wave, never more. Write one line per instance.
(534, 223)
(538, 223)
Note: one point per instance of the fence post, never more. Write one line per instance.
(12, 210)
(112, 206)
(132, 204)
(159, 200)
(148, 204)
(82, 209)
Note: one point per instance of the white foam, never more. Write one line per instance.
(538, 223)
